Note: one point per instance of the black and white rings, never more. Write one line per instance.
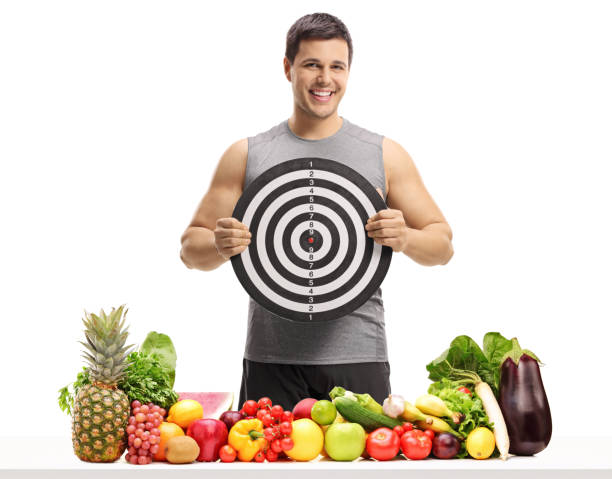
(310, 258)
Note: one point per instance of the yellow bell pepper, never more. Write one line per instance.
(246, 437)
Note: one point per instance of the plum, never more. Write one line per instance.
(445, 446)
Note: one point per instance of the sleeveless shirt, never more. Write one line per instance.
(356, 337)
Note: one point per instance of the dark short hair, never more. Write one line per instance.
(316, 25)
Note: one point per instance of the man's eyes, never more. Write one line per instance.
(339, 67)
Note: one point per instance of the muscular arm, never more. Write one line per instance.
(422, 232)
(198, 241)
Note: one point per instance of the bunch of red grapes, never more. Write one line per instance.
(143, 433)
(277, 427)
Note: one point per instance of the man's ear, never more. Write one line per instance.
(287, 68)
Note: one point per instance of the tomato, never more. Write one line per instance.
(465, 390)
(264, 403)
(383, 444)
(261, 413)
(276, 411)
(260, 457)
(430, 434)
(271, 456)
(250, 407)
(399, 430)
(227, 453)
(415, 445)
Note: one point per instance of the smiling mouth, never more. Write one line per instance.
(321, 96)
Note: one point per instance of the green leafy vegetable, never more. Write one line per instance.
(66, 398)
(149, 376)
(470, 406)
(161, 344)
(464, 354)
(147, 380)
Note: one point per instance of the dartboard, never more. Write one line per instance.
(310, 258)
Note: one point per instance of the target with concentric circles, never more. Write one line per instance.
(310, 258)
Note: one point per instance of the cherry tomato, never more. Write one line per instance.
(250, 407)
(271, 456)
(261, 413)
(408, 426)
(227, 453)
(264, 403)
(415, 445)
(269, 434)
(465, 390)
(286, 443)
(399, 430)
(430, 434)
(268, 420)
(276, 411)
(383, 444)
(260, 456)
(286, 416)
(276, 446)
(286, 428)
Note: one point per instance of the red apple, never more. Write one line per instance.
(210, 434)
(302, 409)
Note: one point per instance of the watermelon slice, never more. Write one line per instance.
(214, 404)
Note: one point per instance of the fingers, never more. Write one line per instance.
(393, 243)
(231, 223)
(231, 237)
(386, 223)
(231, 233)
(227, 253)
(385, 233)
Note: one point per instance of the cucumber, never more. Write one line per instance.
(352, 411)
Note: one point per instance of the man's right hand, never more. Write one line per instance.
(231, 237)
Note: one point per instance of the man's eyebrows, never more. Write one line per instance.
(336, 62)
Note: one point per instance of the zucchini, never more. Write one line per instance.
(352, 411)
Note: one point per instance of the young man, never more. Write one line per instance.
(286, 360)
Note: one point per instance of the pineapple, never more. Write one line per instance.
(101, 410)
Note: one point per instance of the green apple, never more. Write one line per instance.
(345, 441)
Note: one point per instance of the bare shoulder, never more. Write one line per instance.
(232, 166)
(397, 161)
(394, 154)
(236, 154)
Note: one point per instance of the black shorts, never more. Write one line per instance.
(286, 384)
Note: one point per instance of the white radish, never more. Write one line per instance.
(491, 407)
(495, 416)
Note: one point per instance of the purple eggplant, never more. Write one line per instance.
(523, 403)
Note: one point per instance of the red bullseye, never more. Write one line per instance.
(311, 240)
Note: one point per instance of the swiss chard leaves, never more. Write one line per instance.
(464, 354)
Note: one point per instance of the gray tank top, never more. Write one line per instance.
(357, 337)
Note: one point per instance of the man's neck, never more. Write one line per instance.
(311, 128)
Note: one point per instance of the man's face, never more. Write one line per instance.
(319, 75)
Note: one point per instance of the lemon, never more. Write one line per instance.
(480, 443)
(185, 412)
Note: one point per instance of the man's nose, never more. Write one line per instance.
(324, 76)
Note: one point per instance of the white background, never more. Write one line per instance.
(113, 116)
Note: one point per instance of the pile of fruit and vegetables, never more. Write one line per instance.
(482, 403)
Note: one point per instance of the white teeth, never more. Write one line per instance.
(322, 93)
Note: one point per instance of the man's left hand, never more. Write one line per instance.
(388, 228)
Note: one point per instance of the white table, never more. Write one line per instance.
(52, 457)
